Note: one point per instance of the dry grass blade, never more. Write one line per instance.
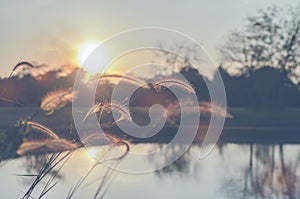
(47, 189)
(103, 182)
(23, 63)
(48, 185)
(56, 100)
(28, 146)
(25, 175)
(94, 138)
(170, 82)
(11, 101)
(116, 142)
(48, 166)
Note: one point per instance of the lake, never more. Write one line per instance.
(230, 171)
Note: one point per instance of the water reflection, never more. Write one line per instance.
(231, 171)
(267, 175)
(187, 165)
(34, 163)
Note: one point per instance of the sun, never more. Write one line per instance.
(100, 60)
(85, 50)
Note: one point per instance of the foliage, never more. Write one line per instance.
(271, 38)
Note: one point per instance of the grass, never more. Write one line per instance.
(26, 123)
(54, 113)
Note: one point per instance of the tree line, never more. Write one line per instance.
(263, 88)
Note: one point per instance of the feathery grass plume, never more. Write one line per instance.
(98, 107)
(128, 79)
(29, 146)
(107, 119)
(23, 63)
(41, 128)
(61, 145)
(209, 107)
(53, 145)
(171, 82)
(56, 100)
(119, 108)
(108, 107)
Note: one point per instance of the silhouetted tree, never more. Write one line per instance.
(261, 89)
(271, 38)
(197, 81)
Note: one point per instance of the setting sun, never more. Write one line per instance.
(98, 63)
(85, 50)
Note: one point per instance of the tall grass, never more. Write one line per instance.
(53, 101)
(61, 149)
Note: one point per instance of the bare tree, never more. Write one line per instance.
(271, 38)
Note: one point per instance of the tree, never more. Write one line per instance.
(271, 38)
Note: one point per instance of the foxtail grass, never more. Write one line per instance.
(53, 145)
(171, 82)
(56, 100)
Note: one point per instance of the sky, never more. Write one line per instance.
(52, 31)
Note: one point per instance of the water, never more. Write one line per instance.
(230, 171)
